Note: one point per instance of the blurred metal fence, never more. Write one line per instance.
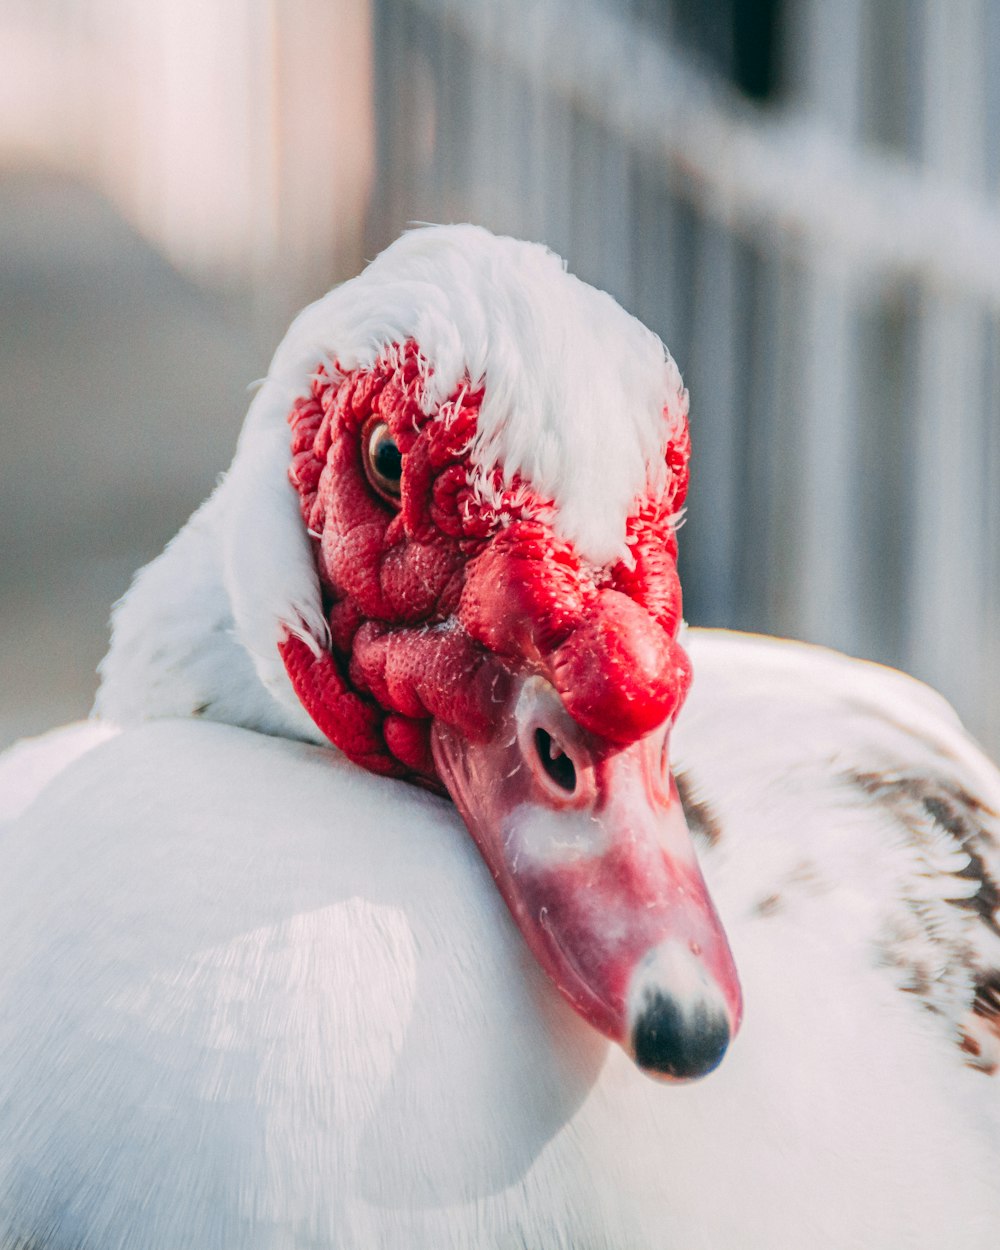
(811, 224)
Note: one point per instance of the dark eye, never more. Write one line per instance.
(383, 460)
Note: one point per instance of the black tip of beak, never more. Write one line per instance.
(679, 1042)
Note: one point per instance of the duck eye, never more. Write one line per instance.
(383, 460)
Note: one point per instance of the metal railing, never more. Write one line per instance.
(826, 269)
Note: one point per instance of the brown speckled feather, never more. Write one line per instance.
(947, 944)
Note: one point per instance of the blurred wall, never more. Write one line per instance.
(236, 136)
(176, 179)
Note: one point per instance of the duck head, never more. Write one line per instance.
(483, 462)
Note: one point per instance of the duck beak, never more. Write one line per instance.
(588, 844)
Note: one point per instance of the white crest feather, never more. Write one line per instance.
(580, 398)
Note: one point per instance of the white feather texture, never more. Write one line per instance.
(252, 996)
(580, 397)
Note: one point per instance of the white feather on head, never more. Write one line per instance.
(580, 397)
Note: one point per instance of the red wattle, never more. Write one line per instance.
(619, 674)
(525, 593)
(348, 721)
(434, 605)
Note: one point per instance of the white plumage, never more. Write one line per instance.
(252, 996)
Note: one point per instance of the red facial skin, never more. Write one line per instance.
(441, 606)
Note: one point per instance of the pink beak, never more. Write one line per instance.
(588, 845)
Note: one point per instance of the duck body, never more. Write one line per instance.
(254, 996)
(264, 985)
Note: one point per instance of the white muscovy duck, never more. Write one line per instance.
(259, 993)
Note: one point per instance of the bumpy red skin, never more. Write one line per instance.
(435, 604)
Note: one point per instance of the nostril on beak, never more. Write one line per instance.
(555, 762)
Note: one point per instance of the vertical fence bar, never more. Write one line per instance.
(946, 644)
(827, 536)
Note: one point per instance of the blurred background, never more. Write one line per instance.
(799, 196)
